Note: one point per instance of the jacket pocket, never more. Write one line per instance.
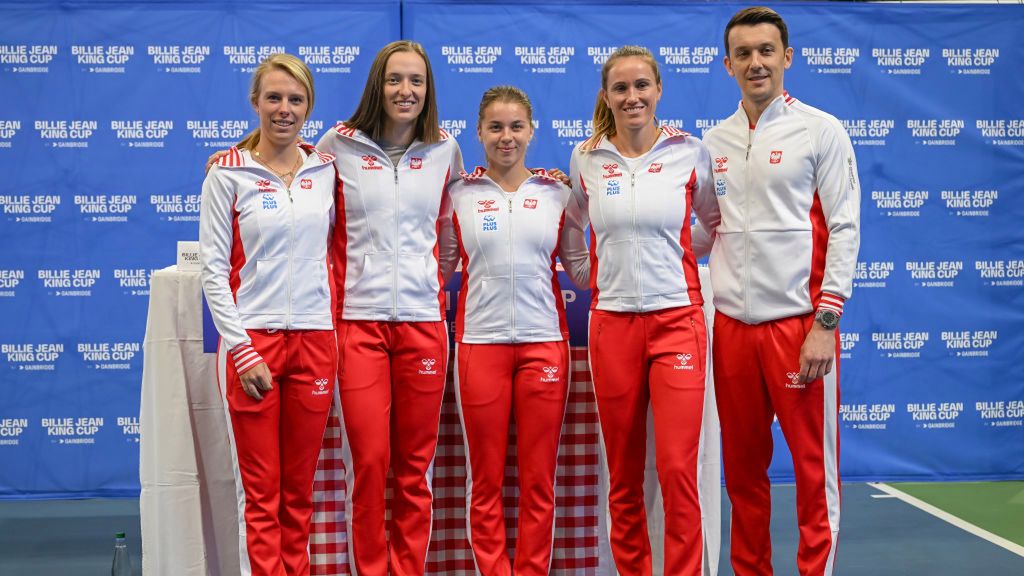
(487, 309)
(615, 270)
(417, 280)
(310, 294)
(780, 264)
(372, 283)
(661, 262)
(267, 291)
(535, 303)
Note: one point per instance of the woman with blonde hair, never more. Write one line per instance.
(637, 184)
(512, 354)
(264, 232)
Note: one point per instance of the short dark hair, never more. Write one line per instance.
(757, 15)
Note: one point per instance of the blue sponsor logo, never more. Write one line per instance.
(490, 223)
(269, 201)
(612, 188)
(720, 187)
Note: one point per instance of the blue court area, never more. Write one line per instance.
(881, 535)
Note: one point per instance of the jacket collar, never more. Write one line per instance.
(480, 174)
(775, 108)
(666, 133)
(242, 158)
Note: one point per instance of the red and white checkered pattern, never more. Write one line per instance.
(576, 498)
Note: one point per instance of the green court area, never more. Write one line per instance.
(997, 507)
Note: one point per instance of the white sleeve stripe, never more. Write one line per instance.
(257, 359)
(245, 357)
(831, 302)
(239, 348)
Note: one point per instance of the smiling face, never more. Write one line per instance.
(632, 93)
(405, 88)
(282, 106)
(758, 61)
(505, 130)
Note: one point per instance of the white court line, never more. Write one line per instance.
(947, 517)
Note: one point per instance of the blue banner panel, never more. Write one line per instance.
(109, 113)
(932, 378)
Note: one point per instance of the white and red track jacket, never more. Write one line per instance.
(507, 244)
(388, 225)
(790, 201)
(641, 258)
(265, 248)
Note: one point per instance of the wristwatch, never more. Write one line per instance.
(828, 319)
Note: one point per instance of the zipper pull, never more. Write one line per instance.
(510, 205)
(748, 151)
(396, 175)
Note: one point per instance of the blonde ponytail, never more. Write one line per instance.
(250, 141)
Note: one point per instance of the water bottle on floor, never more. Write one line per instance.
(122, 562)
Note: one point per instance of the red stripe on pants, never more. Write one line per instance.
(278, 442)
(531, 381)
(391, 379)
(754, 381)
(656, 358)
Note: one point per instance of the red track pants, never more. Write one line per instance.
(755, 380)
(277, 442)
(493, 382)
(655, 358)
(391, 380)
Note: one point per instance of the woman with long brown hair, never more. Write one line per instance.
(394, 163)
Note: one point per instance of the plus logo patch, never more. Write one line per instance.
(490, 224)
(428, 367)
(321, 387)
(550, 374)
(794, 381)
(683, 362)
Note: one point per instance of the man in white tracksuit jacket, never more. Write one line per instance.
(781, 267)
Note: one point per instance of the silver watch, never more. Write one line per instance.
(828, 319)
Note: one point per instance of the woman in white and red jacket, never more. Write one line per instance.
(394, 163)
(512, 355)
(264, 233)
(637, 185)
